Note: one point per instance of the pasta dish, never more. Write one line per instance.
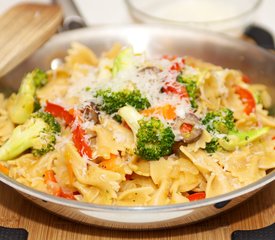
(128, 129)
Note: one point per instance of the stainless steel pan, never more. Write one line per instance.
(156, 40)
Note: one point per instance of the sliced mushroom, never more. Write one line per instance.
(194, 134)
(188, 136)
(90, 112)
(153, 69)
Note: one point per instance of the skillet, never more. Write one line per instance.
(156, 40)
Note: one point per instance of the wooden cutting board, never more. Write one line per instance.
(23, 29)
(16, 211)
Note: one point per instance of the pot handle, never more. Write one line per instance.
(261, 36)
(72, 17)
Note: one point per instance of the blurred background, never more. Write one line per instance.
(229, 17)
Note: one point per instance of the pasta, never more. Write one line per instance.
(133, 130)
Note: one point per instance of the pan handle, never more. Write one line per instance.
(261, 36)
(72, 17)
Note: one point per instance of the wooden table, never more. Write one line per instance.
(16, 211)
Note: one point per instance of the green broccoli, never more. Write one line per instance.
(219, 122)
(113, 101)
(153, 139)
(36, 105)
(37, 133)
(24, 102)
(123, 60)
(190, 83)
(39, 77)
(212, 146)
(222, 122)
(240, 139)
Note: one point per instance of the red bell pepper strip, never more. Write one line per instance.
(247, 98)
(196, 196)
(67, 195)
(186, 128)
(176, 88)
(78, 133)
(170, 58)
(80, 143)
(60, 112)
(53, 186)
(50, 181)
(49, 176)
(246, 79)
(177, 66)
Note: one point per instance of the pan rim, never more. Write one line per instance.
(163, 208)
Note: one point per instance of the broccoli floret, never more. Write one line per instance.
(37, 133)
(153, 139)
(36, 105)
(113, 101)
(240, 139)
(220, 121)
(212, 146)
(40, 78)
(190, 83)
(123, 61)
(23, 104)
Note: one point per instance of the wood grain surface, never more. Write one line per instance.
(16, 211)
(23, 29)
